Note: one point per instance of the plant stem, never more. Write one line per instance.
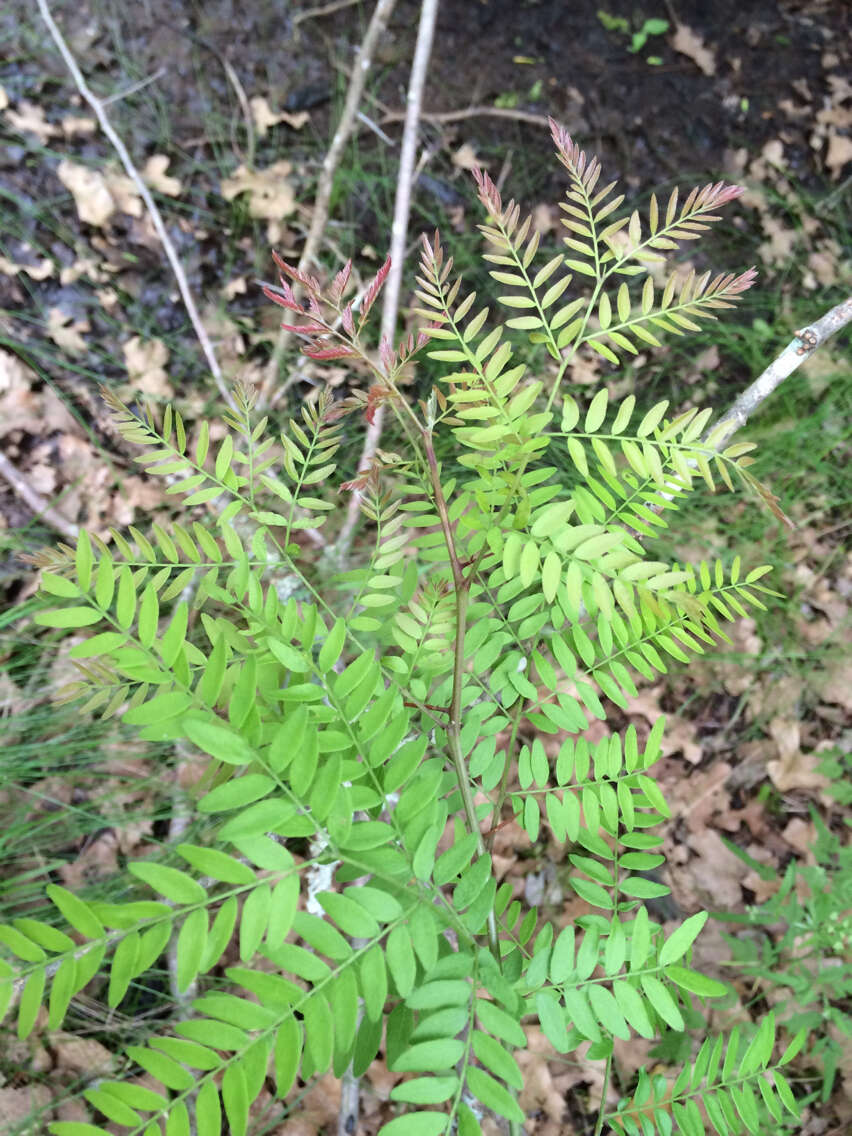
(462, 593)
(604, 1087)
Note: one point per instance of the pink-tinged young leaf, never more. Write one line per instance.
(488, 193)
(328, 352)
(282, 296)
(387, 354)
(310, 283)
(305, 329)
(373, 291)
(338, 284)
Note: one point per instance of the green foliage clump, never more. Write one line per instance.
(350, 721)
(802, 951)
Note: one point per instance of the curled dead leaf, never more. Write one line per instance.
(264, 116)
(145, 361)
(235, 287)
(838, 153)
(21, 408)
(715, 873)
(155, 175)
(19, 1104)
(465, 158)
(270, 192)
(793, 769)
(689, 43)
(98, 195)
(29, 119)
(65, 331)
(39, 271)
(75, 125)
(81, 1055)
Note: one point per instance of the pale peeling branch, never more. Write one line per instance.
(156, 218)
(806, 341)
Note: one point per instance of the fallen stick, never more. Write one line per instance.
(151, 205)
(324, 10)
(42, 508)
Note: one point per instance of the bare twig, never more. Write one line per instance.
(239, 91)
(399, 230)
(473, 112)
(378, 21)
(323, 10)
(31, 497)
(377, 130)
(134, 88)
(806, 341)
(143, 191)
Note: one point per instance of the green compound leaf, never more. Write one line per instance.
(217, 740)
(494, 1095)
(237, 793)
(426, 1090)
(331, 764)
(606, 1010)
(551, 1015)
(429, 1056)
(678, 943)
(68, 617)
(401, 961)
(415, 1124)
(171, 883)
(696, 983)
(662, 1001)
(497, 1060)
(444, 992)
(631, 1005)
(500, 1023)
(350, 916)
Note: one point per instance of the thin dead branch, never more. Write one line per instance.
(323, 10)
(34, 500)
(156, 218)
(801, 347)
(239, 91)
(473, 112)
(134, 88)
(806, 341)
(354, 93)
(399, 230)
(350, 1085)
